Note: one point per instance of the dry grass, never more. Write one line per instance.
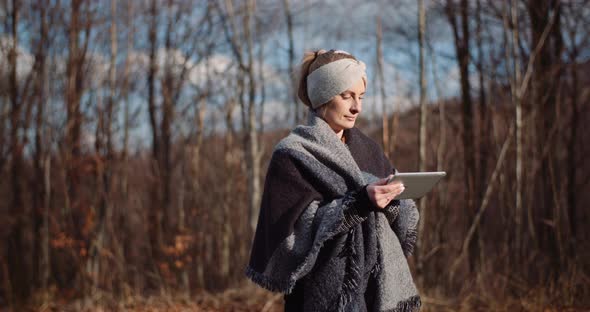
(485, 292)
(244, 298)
(251, 298)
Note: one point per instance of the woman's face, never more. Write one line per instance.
(341, 112)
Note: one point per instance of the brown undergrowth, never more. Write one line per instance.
(474, 296)
(246, 297)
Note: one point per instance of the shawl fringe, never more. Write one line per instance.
(409, 305)
(268, 283)
(410, 242)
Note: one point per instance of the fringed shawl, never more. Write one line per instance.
(318, 230)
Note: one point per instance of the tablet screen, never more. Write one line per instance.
(417, 184)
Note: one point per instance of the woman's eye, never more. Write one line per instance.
(361, 98)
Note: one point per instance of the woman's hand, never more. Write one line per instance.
(381, 193)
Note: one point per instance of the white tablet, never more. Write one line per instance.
(416, 184)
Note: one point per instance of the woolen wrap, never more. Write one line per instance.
(319, 233)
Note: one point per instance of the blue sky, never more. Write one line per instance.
(344, 25)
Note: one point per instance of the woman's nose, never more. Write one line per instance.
(356, 106)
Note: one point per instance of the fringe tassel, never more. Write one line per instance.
(409, 243)
(266, 282)
(411, 304)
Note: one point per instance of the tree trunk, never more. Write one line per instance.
(545, 80)
(126, 228)
(154, 215)
(19, 271)
(572, 152)
(165, 164)
(41, 160)
(484, 124)
(104, 150)
(393, 134)
(517, 100)
(462, 51)
(422, 133)
(384, 112)
(194, 169)
(296, 106)
(252, 149)
(73, 94)
(441, 151)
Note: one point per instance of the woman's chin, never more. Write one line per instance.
(343, 125)
(348, 124)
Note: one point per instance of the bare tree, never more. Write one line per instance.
(511, 37)
(75, 70)
(289, 19)
(461, 33)
(155, 214)
(181, 52)
(573, 25)
(25, 221)
(19, 275)
(484, 124)
(41, 184)
(384, 111)
(242, 49)
(103, 238)
(545, 21)
(422, 125)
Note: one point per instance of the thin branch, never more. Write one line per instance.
(484, 203)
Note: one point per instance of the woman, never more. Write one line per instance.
(329, 235)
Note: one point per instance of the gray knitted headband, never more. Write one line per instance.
(331, 79)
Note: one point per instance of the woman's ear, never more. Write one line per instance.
(321, 111)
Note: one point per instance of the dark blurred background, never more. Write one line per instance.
(135, 136)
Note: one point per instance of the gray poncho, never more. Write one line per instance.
(319, 234)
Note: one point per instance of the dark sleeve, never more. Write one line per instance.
(357, 207)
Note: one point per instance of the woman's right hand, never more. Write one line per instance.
(381, 194)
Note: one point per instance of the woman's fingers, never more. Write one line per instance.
(383, 181)
(389, 188)
(382, 194)
(384, 199)
(394, 192)
(399, 190)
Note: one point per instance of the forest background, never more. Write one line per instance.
(135, 136)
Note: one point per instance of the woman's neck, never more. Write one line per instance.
(339, 132)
